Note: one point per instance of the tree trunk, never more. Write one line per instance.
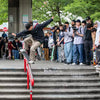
(58, 11)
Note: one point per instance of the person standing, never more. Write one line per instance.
(97, 42)
(9, 49)
(55, 42)
(68, 43)
(45, 47)
(50, 44)
(60, 44)
(88, 44)
(1, 47)
(15, 47)
(4, 35)
(78, 44)
(84, 26)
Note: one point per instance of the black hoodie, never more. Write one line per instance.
(37, 32)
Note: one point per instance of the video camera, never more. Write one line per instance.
(75, 29)
(64, 27)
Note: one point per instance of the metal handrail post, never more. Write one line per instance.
(24, 65)
(27, 79)
(30, 91)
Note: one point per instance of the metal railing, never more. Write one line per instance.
(30, 79)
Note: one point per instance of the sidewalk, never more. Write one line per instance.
(40, 65)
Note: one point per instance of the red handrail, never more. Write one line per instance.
(30, 78)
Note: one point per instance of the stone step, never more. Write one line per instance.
(65, 69)
(13, 85)
(68, 79)
(66, 91)
(51, 97)
(49, 74)
(50, 91)
(11, 69)
(66, 85)
(14, 91)
(52, 79)
(13, 74)
(13, 79)
(51, 85)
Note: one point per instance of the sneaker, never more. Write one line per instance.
(65, 63)
(22, 50)
(81, 64)
(73, 64)
(31, 62)
(97, 66)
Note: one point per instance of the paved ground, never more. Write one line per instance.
(38, 65)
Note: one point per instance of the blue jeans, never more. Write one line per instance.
(78, 53)
(68, 51)
(15, 54)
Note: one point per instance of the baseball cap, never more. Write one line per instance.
(88, 18)
(78, 21)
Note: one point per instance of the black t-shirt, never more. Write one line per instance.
(45, 43)
(16, 45)
(87, 35)
(1, 43)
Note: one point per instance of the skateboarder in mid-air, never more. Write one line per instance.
(36, 39)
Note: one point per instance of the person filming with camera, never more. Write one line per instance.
(78, 46)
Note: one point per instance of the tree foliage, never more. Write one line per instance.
(85, 8)
(3, 11)
(44, 9)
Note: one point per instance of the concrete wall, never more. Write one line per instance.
(25, 9)
(13, 9)
(17, 10)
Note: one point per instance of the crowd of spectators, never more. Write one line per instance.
(73, 43)
(9, 48)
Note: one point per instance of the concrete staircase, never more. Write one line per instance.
(70, 83)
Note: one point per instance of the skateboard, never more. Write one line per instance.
(52, 54)
(94, 57)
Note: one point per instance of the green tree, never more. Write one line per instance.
(84, 8)
(44, 9)
(3, 11)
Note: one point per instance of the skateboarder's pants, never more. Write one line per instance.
(34, 46)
